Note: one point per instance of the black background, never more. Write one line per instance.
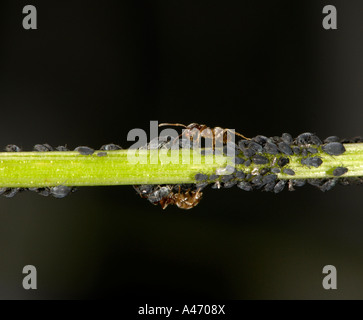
(93, 70)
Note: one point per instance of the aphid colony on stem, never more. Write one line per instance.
(260, 163)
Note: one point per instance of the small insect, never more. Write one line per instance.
(312, 162)
(238, 160)
(333, 148)
(312, 150)
(11, 192)
(201, 177)
(275, 170)
(285, 148)
(328, 185)
(43, 147)
(264, 171)
(332, 139)
(248, 163)
(60, 191)
(279, 186)
(195, 131)
(246, 186)
(110, 147)
(258, 159)
(269, 178)
(287, 138)
(12, 148)
(101, 154)
(308, 138)
(229, 184)
(339, 171)
(269, 186)
(296, 150)
(239, 174)
(84, 151)
(227, 178)
(270, 148)
(282, 161)
(288, 171)
(61, 148)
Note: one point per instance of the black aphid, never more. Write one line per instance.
(288, 171)
(333, 148)
(102, 154)
(328, 185)
(11, 192)
(316, 182)
(255, 146)
(45, 192)
(269, 178)
(296, 150)
(298, 182)
(42, 147)
(332, 139)
(285, 148)
(264, 171)
(229, 184)
(213, 177)
(269, 186)
(238, 160)
(227, 178)
(246, 186)
(312, 162)
(201, 177)
(287, 138)
(282, 161)
(110, 147)
(258, 159)
(248, 176)
(85, 151)
(144, 189)
(249, 153)
(61, 148)
(270, 148)
(248, 163)
(279, 186)
(339, 171)
(312, 150)
(239, 174)
(12, 148)
(260, 139)
(308, 138)
(201, 185)
(275, 170)
(304, 152)
(60, 191)
(257, 180)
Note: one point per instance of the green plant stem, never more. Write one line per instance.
(46, 169)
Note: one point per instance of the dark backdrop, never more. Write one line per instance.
(93, 70)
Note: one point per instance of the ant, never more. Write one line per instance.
(217, 133)
(184, 200)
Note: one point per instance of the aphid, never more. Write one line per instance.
(248, 163)
(312, 150)
(229, 184)
(288, 171)
(254, 146)
(269, 178)
(333, 148)
(285, 148)
(85, 151)
(197, 131)
(258, 159)
(144, 189)
(316, 182)
(11, 192)
(239, 160)
(312, 162)
(332, 139)
(3, 190)
(246, 186)
(304, 152)
(264, 171)
(213, 177)
(257, 182)
(328, 185)
(201, 177)
(43, 147)
(270, 148)
(308, 138)
(296, 150)
(339, 171)
(227, 178)
(101, 154)
(110, 147)
(12, 148)
(61, 148)
(275, 170)
(279, 186)
(260, 140)
(282, 161)
(41, 191)
(239, 174)
(60, 191)
(357, 139)
(298, 182)
(248, 176)
(269, 186)
(287, 138)
(201, 185)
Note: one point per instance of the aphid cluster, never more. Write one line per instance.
(56, 191)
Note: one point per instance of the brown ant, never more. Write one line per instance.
(203, 131)
(184, 200)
